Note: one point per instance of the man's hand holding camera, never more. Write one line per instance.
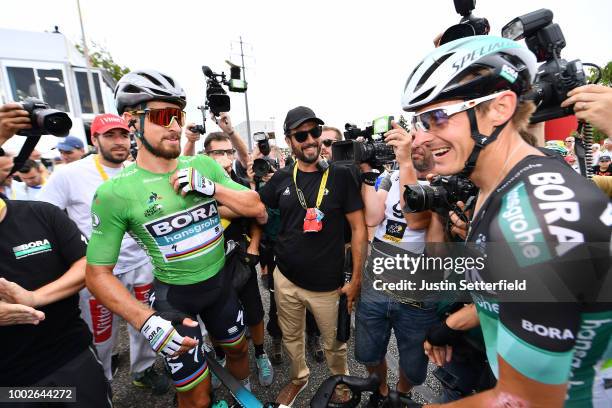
(401, 141)
(13, 118)
(225, 123)
(592, 103)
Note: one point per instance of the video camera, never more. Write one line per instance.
(441, 195)
(372, 150)
(556, 77)
(469, 24)
(217, 99)
(45, 121)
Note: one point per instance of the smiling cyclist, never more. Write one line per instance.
(169, 204)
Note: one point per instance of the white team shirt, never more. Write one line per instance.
(72, 187)
(394, 228)
(25, 192)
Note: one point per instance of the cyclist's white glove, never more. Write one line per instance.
(162, 335)
(191, 180)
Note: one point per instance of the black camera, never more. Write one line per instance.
(372, 150)
(441, 195)
(217, 99)
(469, 24)
(45, 121)
(263, 144)
(556, 77)
(264, 166)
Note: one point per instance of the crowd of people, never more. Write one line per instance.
(170, 240)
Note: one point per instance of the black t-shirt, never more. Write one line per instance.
(239, 227)
(599, 172)
(549, 226)
(314, 260)
(39, 243)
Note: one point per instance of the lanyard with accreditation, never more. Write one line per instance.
(313, 221)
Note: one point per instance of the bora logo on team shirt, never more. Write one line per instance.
(32, 248)
(187, 233)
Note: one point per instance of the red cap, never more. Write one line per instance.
(104, 123)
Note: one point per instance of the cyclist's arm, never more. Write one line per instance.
(236, 197)
(246, 202)
(514, 390)
(109, 226)
(227, 213)
(113, 294)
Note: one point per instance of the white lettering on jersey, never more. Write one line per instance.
(555, 195)
(550, 332)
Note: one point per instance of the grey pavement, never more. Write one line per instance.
(126, 395)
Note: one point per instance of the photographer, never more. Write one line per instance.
(468, 112)
(246, 233)
(379, 311)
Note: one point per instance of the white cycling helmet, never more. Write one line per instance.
(469, 68)
(139, 87)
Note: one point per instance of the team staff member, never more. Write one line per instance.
(465, 100)
(313, 203)
(170, 205)
(72, 187)
(42, 270)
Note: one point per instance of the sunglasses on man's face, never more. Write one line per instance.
(437, 118)
(220, 152)
(328, 142)
(164, 116)
(302, 135)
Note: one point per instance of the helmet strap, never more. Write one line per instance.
(480, 140)
(140, 134)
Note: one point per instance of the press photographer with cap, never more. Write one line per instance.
(314, 201)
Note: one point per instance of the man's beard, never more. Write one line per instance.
(164, 153)
(108, 155)
(299, 153)
(425, 163)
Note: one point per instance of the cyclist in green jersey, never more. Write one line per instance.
(169, 204)
(535, 218)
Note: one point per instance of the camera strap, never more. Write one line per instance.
(24, 153)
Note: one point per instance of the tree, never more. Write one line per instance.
(100, 57)
(606, 79)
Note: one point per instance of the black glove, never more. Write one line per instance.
(251, 260)
(442, 335)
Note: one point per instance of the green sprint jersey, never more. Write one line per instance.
(182, 235)
(539, 225)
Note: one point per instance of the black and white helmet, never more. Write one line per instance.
(469, 68)
(142, 86)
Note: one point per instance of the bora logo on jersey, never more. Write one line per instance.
(187, 234)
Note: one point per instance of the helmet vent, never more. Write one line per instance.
(431, 70)
(421, 97)
(151, 78)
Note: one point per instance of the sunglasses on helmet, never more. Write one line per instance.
(301, 136)
(164, 116)
(436, 118)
